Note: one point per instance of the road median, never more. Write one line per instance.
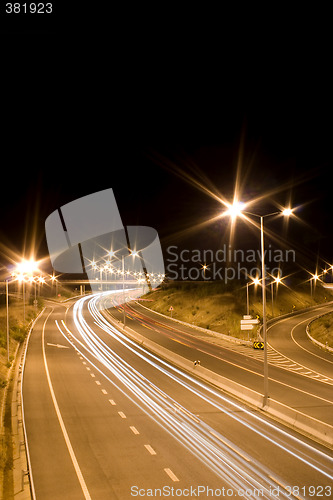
(297, 420)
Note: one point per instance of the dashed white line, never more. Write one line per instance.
(61, 422)
(97, 382)
(112, 402)
(283, 486)
(121, 414)
(150, 449)
(231, 447)
(171, 475)
(186, 413)
(134, 429)
(92, 375)
(105, 392)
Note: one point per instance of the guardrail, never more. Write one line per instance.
(313, 340)
(295, 419)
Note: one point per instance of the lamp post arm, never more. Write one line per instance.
(261, 216)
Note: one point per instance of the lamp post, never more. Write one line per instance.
(277, 281)
(235, 210)
(314, 278)
(264, 321)
(133, 254)
(7, 319)
(247, 299)
(255, 281)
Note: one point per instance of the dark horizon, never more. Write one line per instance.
(168, 170)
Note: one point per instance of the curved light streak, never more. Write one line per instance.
(225, 459)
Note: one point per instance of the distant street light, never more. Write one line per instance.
(276, 281)
(255, 281)
(23, 270)
(132, 254)
(204, 267)
(313, 281)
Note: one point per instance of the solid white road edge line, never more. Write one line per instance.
(61, 422)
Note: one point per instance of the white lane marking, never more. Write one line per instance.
(61, 422)
(105, 392)
(97, 382)
(150, 449)
(88, 368)
(258, 374)
(299, 345)
(83, 362)
(283, 486)
(134, 430)
(171, 475)
(231, 447)
(58, 345)
(112, 402)
(186, 413)
(313, 354)
(276, 442)
(92, 375)
(121, 414)
(159, 391)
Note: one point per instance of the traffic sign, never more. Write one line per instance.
(247, 322)
(258, 345)
(246, 327)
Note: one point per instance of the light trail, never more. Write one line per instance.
(219, 454)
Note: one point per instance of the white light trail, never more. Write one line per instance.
(214, 450)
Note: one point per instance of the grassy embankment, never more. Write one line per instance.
(322, 329)
(18, 329)
(220, 307)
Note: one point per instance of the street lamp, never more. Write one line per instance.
(24, 268)
(276, 281)
(314, 278)
(235, 210)
(133, 254)
(255, 281)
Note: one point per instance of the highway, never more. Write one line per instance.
(105, 418)
(297, 377)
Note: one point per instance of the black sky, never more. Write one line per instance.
(75, 122)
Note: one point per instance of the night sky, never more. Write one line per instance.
(71, 128)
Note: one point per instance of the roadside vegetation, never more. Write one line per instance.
(321, 329)
(220, 307)
(19, 324)
(18, 328)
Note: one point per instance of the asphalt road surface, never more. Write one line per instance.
(107, 419)
(300, 374)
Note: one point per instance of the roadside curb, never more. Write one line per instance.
(23, 483)
(313, 340)
(235, 340)
(200, 329)
(20, 467)
(305, 424)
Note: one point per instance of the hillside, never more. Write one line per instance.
(220, 307)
